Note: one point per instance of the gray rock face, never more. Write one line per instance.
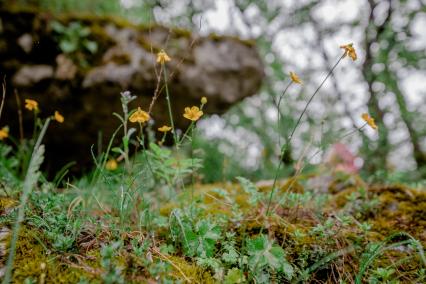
(85, 83)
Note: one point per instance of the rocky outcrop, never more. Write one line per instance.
(79, 65)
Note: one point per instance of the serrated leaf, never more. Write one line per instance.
(263, 253)
(254, 195)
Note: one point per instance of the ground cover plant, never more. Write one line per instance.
(143, 214)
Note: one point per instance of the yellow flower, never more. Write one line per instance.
(4, 133)
(164, 128)
(139, 116)
(111, 165)
(369, 120)
(295, 78)
(162, 57)
(193, 113)
(349, 51)
(58, 117)
(31, 104)
(203, 100)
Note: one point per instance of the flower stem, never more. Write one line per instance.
(285, 146)
(169, 106)
(279, 109)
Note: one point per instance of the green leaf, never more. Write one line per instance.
(68, 46)
(234, 276)
(251, 190)
(264, 254)
(208, 234)
(91, 46)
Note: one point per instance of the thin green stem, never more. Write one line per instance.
(279, 109)
(142, 143)
(285, 146)
(313, 96)
(192, 168)
(169, 105)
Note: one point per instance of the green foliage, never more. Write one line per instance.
(61, 228)
(251, 190)
(30, 181)
(167, 167)
(197, 239)
(221, 232)
(74, 40)
(112, 274)
(265, 255)
(234, 276)
(9, 165)
(74, 37)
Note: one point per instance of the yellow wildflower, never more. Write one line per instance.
(349, 51)
(193, 113)
(31, 104)
(139, 116)
(295, 78)
(164, 128)
(4, 133)
(369, 120)
(162, 57)
(203, 100)
(111, 165)
(58, 117)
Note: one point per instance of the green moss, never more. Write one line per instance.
(247, 42)
(33, 261)
(184, 270)
(7, 203)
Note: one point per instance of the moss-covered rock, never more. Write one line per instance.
(79, 64)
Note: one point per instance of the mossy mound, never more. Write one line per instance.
(355, 233)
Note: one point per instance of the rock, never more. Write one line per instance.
(82, 76)
(30, 75)
(26, 42)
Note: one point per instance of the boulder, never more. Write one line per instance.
(79, 65)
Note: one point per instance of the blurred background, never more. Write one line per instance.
(388, 81)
